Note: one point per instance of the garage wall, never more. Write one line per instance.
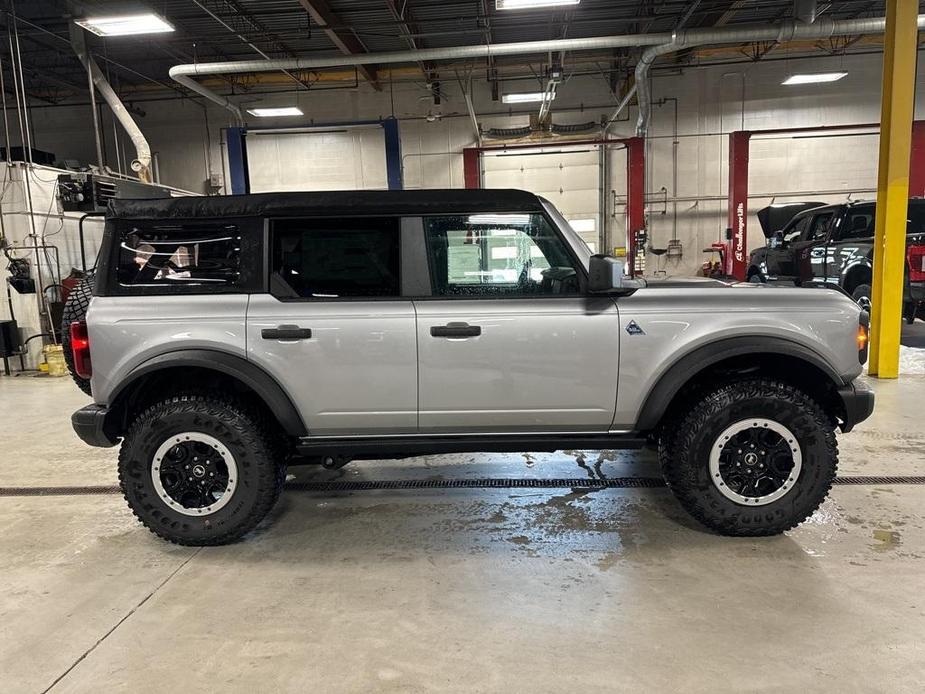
(710, 103)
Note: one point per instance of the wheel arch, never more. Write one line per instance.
(857, 275)
(763, 356)
(201, 368)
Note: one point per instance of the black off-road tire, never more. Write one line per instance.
(684, 453)
(75, 309)
(246, 435)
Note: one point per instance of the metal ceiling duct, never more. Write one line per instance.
(142, 162)
(659, 43)
(822, 28)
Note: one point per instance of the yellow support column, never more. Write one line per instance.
(896, 110)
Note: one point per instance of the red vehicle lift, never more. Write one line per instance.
(635, 177)
(736, 248)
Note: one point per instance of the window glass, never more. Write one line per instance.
(820, 226)
(335, 258)
(498, 255)
(858, 223)
(795, 229)
(174, 255)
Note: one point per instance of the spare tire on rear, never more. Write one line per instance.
(75, 309)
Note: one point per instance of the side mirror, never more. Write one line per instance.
(605, 276)
(776, 240)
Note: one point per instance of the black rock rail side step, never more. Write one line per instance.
(475, 483)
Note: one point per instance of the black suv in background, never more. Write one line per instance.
(834, 245)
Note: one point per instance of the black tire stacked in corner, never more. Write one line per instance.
(684, 452)
(246, 435)
(75, 309)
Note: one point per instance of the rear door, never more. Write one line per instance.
(334, 328)
(508, 341)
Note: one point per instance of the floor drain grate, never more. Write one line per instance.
(479, 483)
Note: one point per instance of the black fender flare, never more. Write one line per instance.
(676, 376)
(248, 373)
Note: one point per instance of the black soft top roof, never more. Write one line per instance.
(356, 202)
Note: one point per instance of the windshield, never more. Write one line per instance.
(572, 238)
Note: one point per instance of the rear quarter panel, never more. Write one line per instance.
(677, 321)
(126, 331)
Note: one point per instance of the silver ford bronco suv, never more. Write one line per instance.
(228, 337)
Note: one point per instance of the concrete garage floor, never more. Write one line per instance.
(460, 590)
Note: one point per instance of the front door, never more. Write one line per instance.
(334, 330)
(810, 250)
(509, 342)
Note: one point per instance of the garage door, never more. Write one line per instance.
(349, 159)
(567, 178)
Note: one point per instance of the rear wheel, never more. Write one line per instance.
(753, 457)
(200, 470)
(75, 309)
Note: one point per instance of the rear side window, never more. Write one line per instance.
(197, 256)
(336, 258)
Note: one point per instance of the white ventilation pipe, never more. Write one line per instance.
(660, 43)
(822, 28)
(142, 162)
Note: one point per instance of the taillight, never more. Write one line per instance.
(915, 256)
(80, 349)
(863, 336)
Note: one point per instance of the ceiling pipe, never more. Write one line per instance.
(805, 10)
(790, 30)
(141, 165)
(660, 43)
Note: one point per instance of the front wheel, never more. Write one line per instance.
(754, 457)
(199, 470)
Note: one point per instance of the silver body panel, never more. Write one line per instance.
(358, 372)
(539, 365)
(678, 321)
(126, 331)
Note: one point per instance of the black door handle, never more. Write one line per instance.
(455, 330)
(286, 332)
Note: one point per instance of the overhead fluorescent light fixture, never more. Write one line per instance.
(524, 97)
(126, 25)
(527, 4)
(276, 112)
(815, 78)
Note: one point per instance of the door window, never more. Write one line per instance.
(505, 255)
(858, 223)
(819, 229)
(335, 258)
(796, 229)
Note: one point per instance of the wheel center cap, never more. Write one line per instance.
(200, 471)
(751, 458)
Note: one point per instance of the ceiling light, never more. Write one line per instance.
(126, 25)
(813, 78)
(276, 112)
(525, 4)
(524, 97)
